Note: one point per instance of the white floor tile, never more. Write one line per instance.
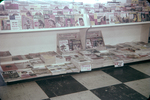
(143, 67)
(84, 95)
(95, 79)
(142, 86)
(22, 91)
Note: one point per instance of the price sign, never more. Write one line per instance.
(119, 63)
(86, 67)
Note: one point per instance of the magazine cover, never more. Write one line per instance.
(139, 16)
(93, 19)
(49, 21)
(47, 12)
(45, 7)
(63, 45)
(9, 67)
(57, 12)
(38, 19)
(10, 75)
(27, 22)
(77, 7)
(147, 16)
(76, 45)
(18, 57)
(35, 7)
(1, 7)
(60, 21)
(5, 25)
(117, 17)
(11, 5)
(124, 17)
(88, 43)
(112, 18)
(26, 73)
(15, 24)
(101, 19)
(23, 65)
(79, 20)
(24, 7)
(69, 20)
(143, 17)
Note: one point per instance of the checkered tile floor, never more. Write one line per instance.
(131, 82)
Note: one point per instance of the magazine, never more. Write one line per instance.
(27, 22)
(34, 55)
(4, 53)
(43, 71)
(63, 45)
(9, 67)
(112, 18)
(69, 21)
(93, 19)
(35, 7)
(101, 19)
(60, 21)
(11, 5)
(26, 73)
(49, 21)
(10, 75)
(5, 25)
(76, 45)
(38, 19)
(18, 57)
(15, 24)
(79, 20)
(23, 65)
(1, 7)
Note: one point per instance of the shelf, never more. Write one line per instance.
(121, 24)
(71, 28)
(42, 30)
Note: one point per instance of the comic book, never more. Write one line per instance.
(76, 45)
(27, 22)
(60, 21)
(3, 16)
(69, 21)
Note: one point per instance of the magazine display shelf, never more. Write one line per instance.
(72, 28)
(143, 34)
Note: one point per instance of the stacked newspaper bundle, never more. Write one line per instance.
(5, 56)
(81, 63)
(48, 59)
(56, 69)
(71, 68)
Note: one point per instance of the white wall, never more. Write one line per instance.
(24, 43)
